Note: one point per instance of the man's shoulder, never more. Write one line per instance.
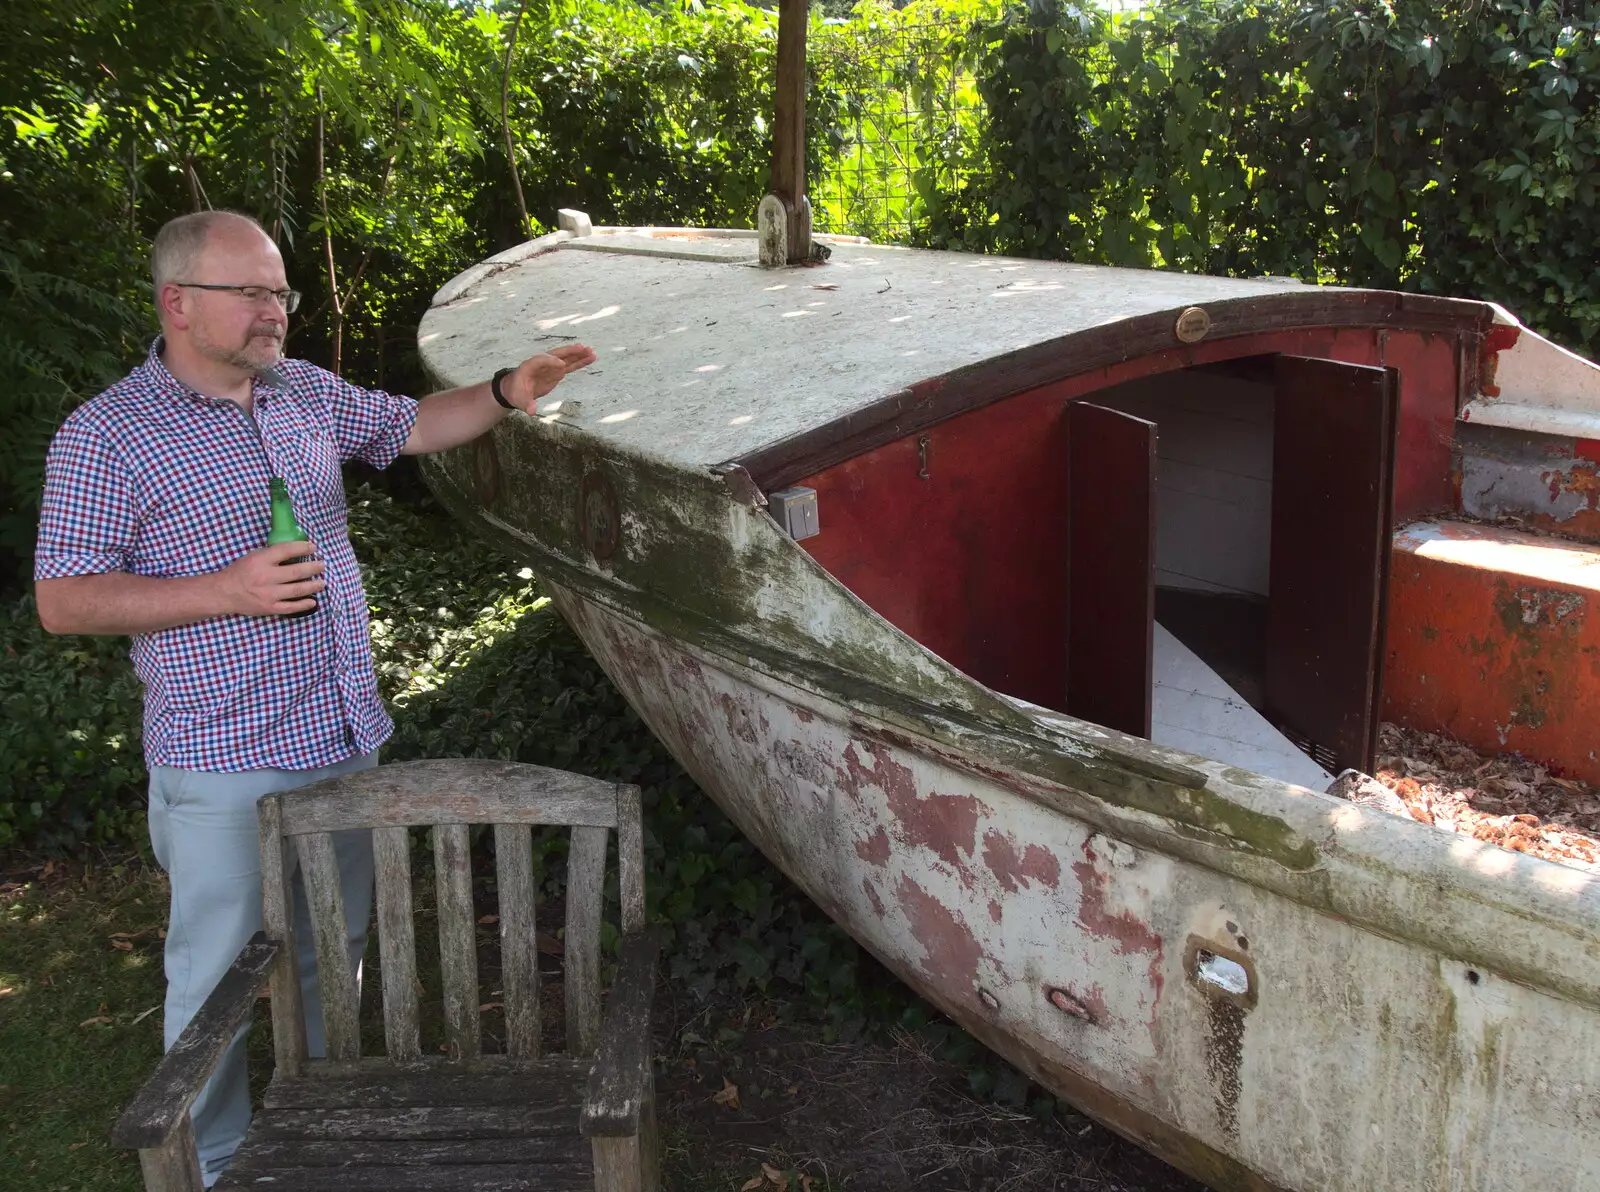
(132, 398)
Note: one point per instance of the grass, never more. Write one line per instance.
(80, 1020)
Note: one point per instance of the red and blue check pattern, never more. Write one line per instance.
(155, 479)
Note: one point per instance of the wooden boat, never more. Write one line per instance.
(1019, 611)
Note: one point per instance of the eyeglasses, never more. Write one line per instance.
(288, 299)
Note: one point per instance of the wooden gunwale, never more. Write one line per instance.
(1149, 337)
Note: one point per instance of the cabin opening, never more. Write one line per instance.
(1227, 649)
(1197, 557)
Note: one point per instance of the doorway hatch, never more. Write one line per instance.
(1193, 709)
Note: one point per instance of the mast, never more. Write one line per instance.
(784, 217)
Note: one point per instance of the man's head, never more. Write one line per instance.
(219, 248)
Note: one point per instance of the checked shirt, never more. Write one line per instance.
(155, 479)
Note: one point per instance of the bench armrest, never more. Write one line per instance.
(619, 1080)
(162, 1104)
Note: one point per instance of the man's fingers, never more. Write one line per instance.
(295, 591)
(282, 552)
(288, 608)
(289, 573)
(574, 356)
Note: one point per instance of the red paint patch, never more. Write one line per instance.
(874, 850)
(1036, 864)
(947, 824)
(950, 951)
(1588, 449)
(803, 716)
(872, 896)
(1129, 932)
(994, 911)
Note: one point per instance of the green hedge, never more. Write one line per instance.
(1450, 148)
(71, 769)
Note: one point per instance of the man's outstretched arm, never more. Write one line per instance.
(455, 416)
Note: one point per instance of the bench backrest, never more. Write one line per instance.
(448, 796)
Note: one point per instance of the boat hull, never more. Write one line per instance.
(1349, 1060)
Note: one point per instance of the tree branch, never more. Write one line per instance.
(505, 117)
(337, 317)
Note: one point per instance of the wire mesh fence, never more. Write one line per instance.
(907, 115)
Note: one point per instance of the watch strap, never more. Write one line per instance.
(494, 387)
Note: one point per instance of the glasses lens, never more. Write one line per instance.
(291, 301)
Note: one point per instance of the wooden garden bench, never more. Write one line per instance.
(403, 1121)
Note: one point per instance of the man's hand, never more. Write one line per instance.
(264, 584)
(538, 375)
(457, 416)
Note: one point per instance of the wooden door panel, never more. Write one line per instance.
(1333, 464)
(1111, 557)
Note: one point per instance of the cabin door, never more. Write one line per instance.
(1333, 465)
(1111, 560)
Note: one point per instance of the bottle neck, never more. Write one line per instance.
(284, 526)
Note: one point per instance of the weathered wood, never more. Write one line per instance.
(477, 1122)
(495, 1065)
(789, 125)
(519, 954)
(620, 1080)
(341, 1000)
(161, 1107)
(264, 1156)
(1332, 484)
(458, 954)
(416, 1123)
(174, 1166)
(277, 918)
(449, 791)
(586, 875)
(1111, 562)
(630, 858)
(618, 1165)
(477, 1177)
(649, 1139)
(397, 942)
(557, 1080)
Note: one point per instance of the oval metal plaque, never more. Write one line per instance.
(1193, 325)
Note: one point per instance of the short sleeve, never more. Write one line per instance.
(369, 424)
(88, 516)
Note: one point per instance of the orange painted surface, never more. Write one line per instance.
(1494, 637)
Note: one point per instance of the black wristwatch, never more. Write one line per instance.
(494, 387)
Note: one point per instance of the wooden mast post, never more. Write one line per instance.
(784, 217)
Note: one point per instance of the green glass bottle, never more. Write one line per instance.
(286, 529)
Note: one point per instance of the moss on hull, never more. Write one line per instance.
(681, 553)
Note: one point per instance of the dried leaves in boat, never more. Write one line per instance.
(1506, 800)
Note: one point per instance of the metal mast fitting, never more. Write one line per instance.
(784, 217)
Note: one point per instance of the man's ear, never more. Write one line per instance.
(173, 304)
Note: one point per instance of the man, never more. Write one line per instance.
(155, 508)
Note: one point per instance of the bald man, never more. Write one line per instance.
(155, 510)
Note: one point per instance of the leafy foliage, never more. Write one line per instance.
(1449, 148)
(367, 138)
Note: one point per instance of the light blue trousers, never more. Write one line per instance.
(203, 830)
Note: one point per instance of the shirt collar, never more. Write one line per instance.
(269, 378)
